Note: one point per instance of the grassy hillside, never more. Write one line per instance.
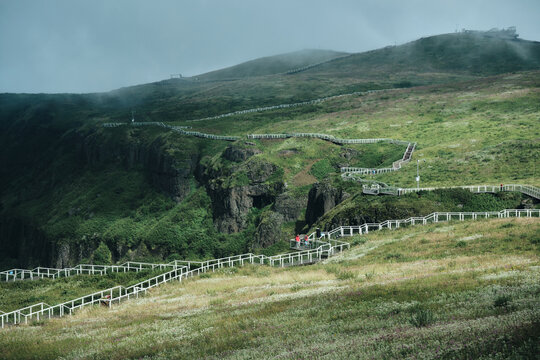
(434, 60)
(15, 295)
(67, 184)
(271, 65)
(461, 53)
(457, 290)
(475, 132)
(469, 132)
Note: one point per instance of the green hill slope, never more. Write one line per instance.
(462, 53)
(272, 65)
(434, 60)
(67, 183)
(458, 290)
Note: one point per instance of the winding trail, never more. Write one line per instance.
(323, 247)
(327, 246)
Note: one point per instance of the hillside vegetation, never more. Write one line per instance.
(68, 184)
(455, 290)
(272, 65)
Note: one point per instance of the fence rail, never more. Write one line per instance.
(396, 165)
(89, 269)
(529, 190)
(184, 269)
(291, 105)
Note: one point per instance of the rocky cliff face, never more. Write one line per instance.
(235, 190)
(168, 173)
(289, 206)
(32, 245)
(268, 230)
(322, 198)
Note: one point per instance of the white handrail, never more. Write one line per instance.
(119, 293)
(529, 190)
(90, 269)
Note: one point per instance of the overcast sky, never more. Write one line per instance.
(100, 45)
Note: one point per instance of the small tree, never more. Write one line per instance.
(102, 255)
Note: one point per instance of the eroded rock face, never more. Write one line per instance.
(166, 172)
(260, 171)
(231, 206)
(239, 154)
(232, 201)
(269, 230)
(322, 198)
(290, 207)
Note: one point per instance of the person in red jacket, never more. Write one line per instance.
(297, 240)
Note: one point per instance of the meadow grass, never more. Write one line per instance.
(17, 294)
(434, 300)
(482, 131)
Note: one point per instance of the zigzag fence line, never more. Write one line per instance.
(396, 165)
(184, 269)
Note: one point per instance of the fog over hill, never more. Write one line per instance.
(81, 47)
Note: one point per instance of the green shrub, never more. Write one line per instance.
(461, 244)
(345, 275)
(501, 301)
(393, 256)
(321, 169)
(102, 255)
(421, 317)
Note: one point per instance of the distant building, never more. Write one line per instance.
(176, 76)
(508, 33)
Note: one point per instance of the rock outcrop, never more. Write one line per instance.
(269, 230)
(167, 172)
(239, 154)
(235, 190)
(322, 198)
(289, 206)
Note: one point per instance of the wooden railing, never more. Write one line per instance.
(45, 272)
(431, 218)
(344, 170)
(185, 269)
(291, 105)
(529, 190)
(396, 165)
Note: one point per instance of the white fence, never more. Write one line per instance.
(284, 106)
(529, 190)
(431, 218)
(396, 165)
(44, 272)
(185, 269)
